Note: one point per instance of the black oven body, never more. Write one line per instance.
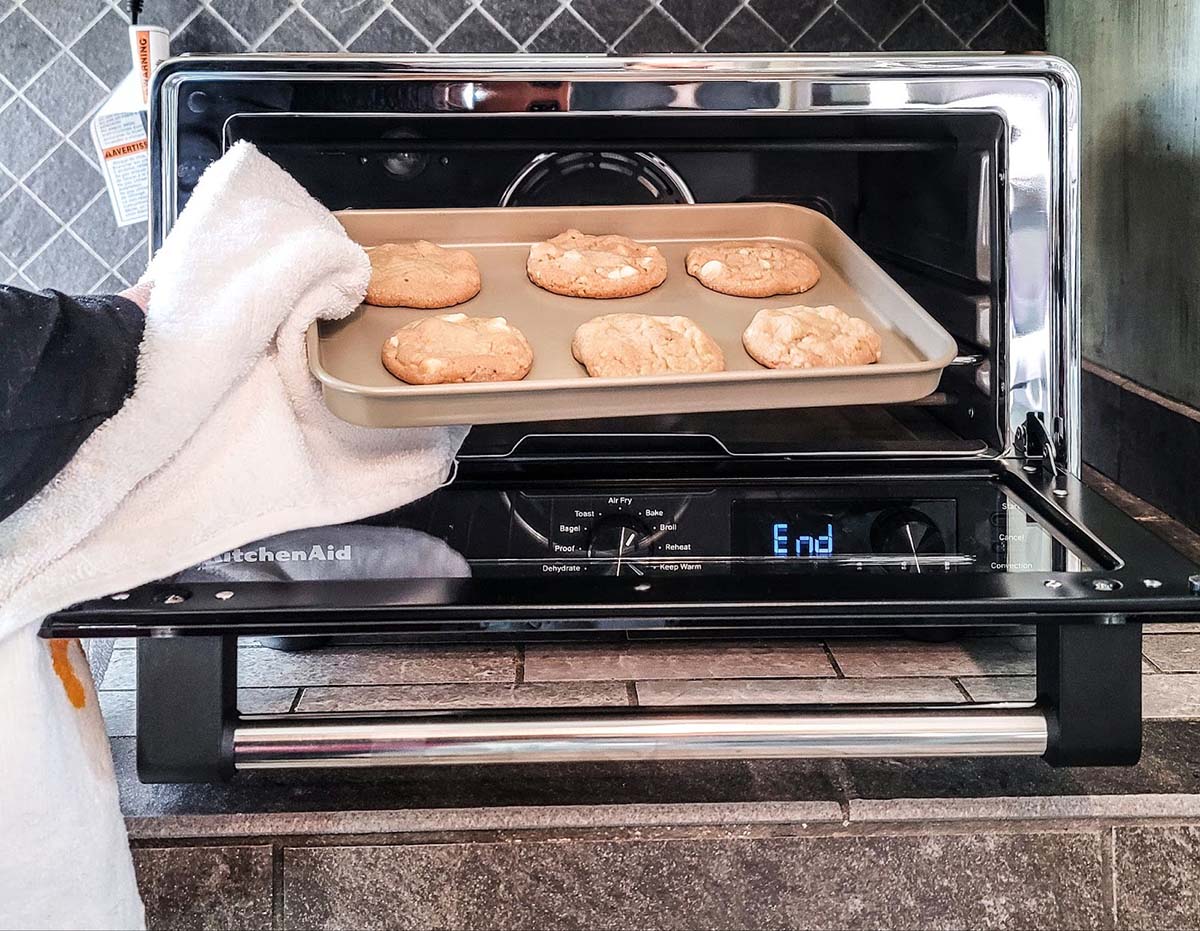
(958, 510)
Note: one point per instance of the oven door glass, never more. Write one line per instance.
(707, 547)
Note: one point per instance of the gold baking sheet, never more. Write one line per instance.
(345, 355)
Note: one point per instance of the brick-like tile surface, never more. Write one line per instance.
(999, 688)
(120, 707)
(1171, 696)
(1164, 697)
(1173, 652)
(262, 667)
(488, 695)
(966, 657)
(726, 660)
(798, 691)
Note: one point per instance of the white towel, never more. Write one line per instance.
(224, 440)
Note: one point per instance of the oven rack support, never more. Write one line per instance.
(1087, 712)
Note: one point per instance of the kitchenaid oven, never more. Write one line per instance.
(957, 175)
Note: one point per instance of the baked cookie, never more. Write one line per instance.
(639, 344)
(810, 337)
(752, 269)
(579, 265)
(421, 274)
(457, 348)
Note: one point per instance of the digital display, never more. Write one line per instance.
(788, 539)
(903, 533)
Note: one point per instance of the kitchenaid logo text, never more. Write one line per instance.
(315, 553)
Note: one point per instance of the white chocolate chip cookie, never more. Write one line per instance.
(457, 348)
(579, 265)
(639, 344)
(752, 269)
(810, 337)
(421, 274)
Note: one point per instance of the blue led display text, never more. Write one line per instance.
(783, 543)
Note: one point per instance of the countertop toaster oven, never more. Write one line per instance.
(958, 176)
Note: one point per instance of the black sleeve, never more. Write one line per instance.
(66, 365)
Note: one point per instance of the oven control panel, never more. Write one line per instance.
(912, 527)
(735, 530)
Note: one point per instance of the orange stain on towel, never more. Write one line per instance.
(61, 660)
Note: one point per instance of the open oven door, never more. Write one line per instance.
(542, 549)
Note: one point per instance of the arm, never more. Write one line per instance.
(66, 365)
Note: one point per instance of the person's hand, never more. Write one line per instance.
(139, 294)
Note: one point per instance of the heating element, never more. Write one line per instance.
(957, 176)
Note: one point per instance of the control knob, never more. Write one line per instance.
(619, 537)
(906, 531)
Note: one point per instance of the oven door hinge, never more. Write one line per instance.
(1035, 444)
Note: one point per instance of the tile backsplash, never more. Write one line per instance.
(60, 58)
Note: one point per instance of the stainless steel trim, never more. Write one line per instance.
(427, 740)
(565, 67)
(983, 222)
(1068, 341)
(1038, 178)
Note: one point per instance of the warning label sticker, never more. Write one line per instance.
(120, 140)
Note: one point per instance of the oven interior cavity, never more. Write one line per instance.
(920, 192)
